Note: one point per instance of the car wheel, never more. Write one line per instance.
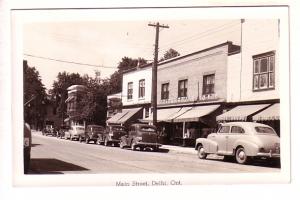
(121, 145)
(105, 142)
(240, 156)
(98, 142)
(133, 146)
(201, 152)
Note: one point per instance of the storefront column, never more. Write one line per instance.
(183, 132)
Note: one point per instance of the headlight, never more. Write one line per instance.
(26, 142)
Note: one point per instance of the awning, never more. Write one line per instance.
(69, 99)
(129, 113)
(122, 117)
(163, 114)
(195, 113)
(240, 113)
(271, 113)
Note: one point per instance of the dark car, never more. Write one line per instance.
(92, 133)
(141, 136)
(113, 134)
(62, 130)
(27, 147)
(49, 130)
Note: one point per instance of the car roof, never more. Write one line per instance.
(144, 125)
(95, 126)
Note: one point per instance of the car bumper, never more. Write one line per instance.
(75, 136)
(269, 154)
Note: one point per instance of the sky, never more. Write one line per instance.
(104, 43)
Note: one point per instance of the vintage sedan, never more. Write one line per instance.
(74, 132)
(113, 134)
(141, 136)
(242, 141)
(92, 133)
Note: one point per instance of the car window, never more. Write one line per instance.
(98, 129)
(264, 130)
(237, 129)
(224, 129)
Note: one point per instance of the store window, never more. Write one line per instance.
(264, 71)
(209, 84)
(142, 88)
(129, 90)
(182, 88)
(165, 91)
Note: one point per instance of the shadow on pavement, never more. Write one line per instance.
(258, 162)
(34, 145)
(52, 166)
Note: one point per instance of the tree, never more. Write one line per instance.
(171, 53)
(34, 97)
(130, 63)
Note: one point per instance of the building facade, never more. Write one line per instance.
(74, 107)
(221, 83)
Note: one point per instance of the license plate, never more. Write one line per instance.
(26, 142)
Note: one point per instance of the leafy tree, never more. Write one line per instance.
(130, 63)
(171, 53)
(34, 97)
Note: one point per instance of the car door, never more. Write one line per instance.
(221, 139)
(236, 133)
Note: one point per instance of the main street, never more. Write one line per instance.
(50, 155)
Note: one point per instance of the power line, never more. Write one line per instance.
(70, 62)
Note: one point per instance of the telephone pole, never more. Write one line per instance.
(154, 72)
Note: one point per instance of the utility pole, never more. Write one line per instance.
(154, 72)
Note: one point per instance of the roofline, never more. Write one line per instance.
(229, 43)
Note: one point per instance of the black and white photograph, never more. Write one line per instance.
(150, 96)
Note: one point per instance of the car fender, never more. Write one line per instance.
(251, 149)
(208, 145)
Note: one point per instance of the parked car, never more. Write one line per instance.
(242, 141)
(27, 147)
(49, 130)
(62, 130)
(141, 136)
(113, 134)
(75, 132)
(91, 133)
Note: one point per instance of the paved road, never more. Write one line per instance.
(50, 155)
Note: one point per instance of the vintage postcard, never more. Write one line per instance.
(167, 96)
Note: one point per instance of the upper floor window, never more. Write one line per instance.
(129, 90)
(142, 88)
(264, 71)
(182, 88)
(209, 84)
(165, 91)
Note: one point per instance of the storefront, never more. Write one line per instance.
(262, 113)
(183, 125)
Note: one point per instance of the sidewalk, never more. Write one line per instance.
(179, 149)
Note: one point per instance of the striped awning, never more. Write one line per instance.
(124, 116)
(271, 113)
(163, 114)
(195, 113)
(240, 113)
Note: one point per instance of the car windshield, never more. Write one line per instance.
(264, 130)
(118, 128)
(147, 129)
(79, 128)
(97, 128)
